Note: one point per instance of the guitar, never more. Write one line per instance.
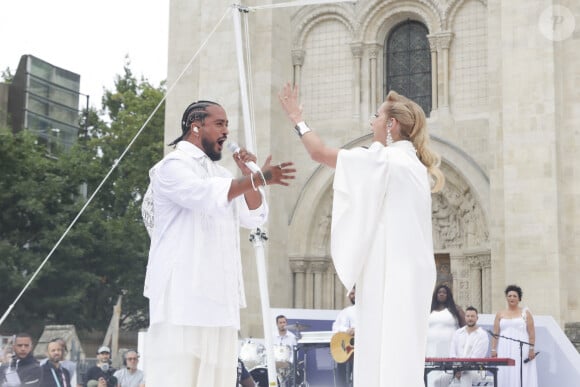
(341, 346)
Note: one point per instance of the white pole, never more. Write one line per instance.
(257, 237)
(248, 128)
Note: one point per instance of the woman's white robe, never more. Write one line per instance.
(382, 241)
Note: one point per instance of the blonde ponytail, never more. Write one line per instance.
(413, 125)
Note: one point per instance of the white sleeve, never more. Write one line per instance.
(341, 322)
(452, 349)
(176, 181)
(253, 218)
(481, 344)
(360, 183)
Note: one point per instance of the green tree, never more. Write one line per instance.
(104, 255)
(34, 198)
(7, 75)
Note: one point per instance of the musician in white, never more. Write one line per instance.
(471, 341)
(346, 319)
(284, 336)
(345, 322)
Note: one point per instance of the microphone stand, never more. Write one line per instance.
(521, 342)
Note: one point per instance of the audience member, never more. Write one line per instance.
(71, 366)
(101, 375)
(53, 373)
(23, 368)
(130, 375)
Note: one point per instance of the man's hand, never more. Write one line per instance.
(241, 158)
(278, 174)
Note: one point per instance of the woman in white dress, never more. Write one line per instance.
(445, 318)
(382, 237)
(515, 323)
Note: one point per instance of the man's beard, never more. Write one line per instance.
(208, 147)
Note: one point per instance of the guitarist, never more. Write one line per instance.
(345, 322)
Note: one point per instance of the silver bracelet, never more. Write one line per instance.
(301, 128)
(252, 180)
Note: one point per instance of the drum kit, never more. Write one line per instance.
(254, 356)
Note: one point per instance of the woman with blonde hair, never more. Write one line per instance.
(381, 235)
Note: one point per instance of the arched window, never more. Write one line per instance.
(408, 63)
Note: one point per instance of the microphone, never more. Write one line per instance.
(235, 148)
(528, 359)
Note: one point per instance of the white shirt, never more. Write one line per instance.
(195, 242)
(127, 379)
(469, 345)
(288, 339)
(346, 319)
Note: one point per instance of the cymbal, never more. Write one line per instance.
(297, 326)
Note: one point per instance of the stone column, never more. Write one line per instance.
(328, 291)
(486, 283)
(460, 273)
(434, 72)
(357, 50)
(475, 279)
(299, 266)
(318, 267)
(297, 62)
(480, 280)
(374, 50)
(443, 41)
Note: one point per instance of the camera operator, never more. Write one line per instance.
(101, 375)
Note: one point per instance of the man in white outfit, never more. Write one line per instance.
(193, 209)
(471, 341)
(345, 322)
(284, 336)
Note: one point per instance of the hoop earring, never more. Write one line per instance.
(389, 136)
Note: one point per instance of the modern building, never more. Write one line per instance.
(44, 99)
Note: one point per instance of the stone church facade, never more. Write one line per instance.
(499, 83)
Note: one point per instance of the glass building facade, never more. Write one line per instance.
(45, 100)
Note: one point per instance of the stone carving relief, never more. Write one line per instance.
(322, 226)
(445, 223)
(458, 220)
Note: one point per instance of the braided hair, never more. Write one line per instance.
(196, 111)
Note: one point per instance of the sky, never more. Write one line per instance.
(90, 38)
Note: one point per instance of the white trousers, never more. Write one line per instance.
(184, 356)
